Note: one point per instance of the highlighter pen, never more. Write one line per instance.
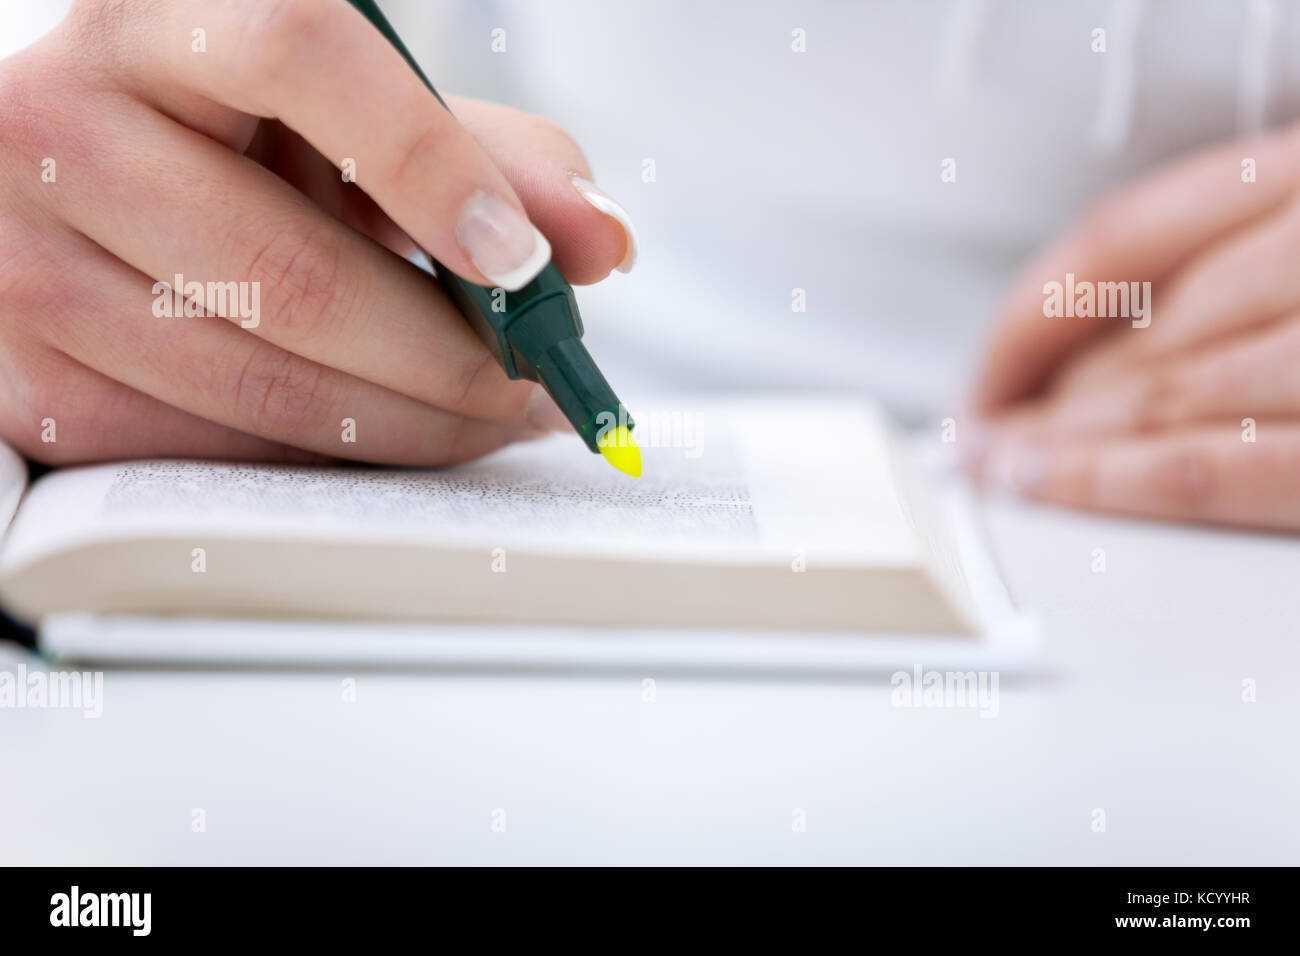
(538, 333)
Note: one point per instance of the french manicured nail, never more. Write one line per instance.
(602, 201)
(543, 413)
(502, 244)
(1015, 469)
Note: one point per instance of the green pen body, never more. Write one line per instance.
(535, 333)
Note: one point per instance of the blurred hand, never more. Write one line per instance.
(153, 138)
(1195, 417)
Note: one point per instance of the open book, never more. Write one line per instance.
(790, 516)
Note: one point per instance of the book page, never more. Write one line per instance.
(739, 482)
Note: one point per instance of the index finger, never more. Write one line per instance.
(321, 68)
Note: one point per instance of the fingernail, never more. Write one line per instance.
(543, 413)
(1015, 469)
(602, 201)
(502, 244)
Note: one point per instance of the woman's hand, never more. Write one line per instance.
(148, 139)
(1194, 416)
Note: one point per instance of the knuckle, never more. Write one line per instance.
(282, 37)
(277, 393)
(27, 118)
(47, 116)
(285, 30)
(415, 156)
(299, 277)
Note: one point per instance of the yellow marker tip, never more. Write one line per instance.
(621, 451)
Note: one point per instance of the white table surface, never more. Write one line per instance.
(1143, 718)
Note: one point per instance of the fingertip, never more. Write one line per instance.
(591, 234)
(605, 204)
